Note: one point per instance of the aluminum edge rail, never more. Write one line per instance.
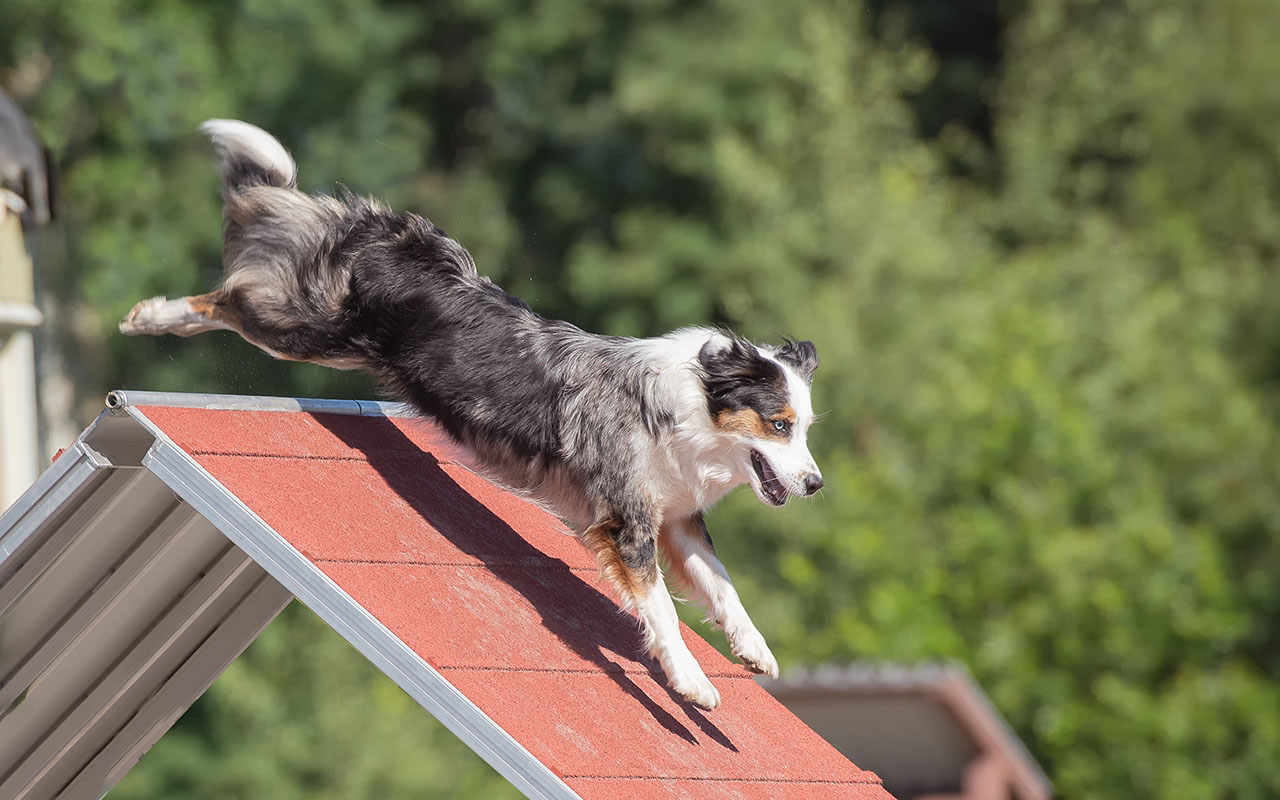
(124, 398)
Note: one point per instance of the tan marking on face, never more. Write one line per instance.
(787, 413)
(748, 422)
(745, 422)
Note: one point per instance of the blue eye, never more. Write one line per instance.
(780, 425)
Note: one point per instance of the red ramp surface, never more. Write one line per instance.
(500, 599)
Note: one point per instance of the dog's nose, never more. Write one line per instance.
(812, 482)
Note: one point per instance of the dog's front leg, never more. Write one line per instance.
(692, 557)
(627, 555)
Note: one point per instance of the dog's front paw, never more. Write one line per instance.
(696, 688)
(755, 654)
(686, 678)
(142, 319)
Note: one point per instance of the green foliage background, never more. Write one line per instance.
(1037, 243)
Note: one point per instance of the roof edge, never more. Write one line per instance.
(68, 474)
(123, 398)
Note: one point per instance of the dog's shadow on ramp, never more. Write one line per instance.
(566, 603)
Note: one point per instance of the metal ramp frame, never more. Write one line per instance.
(131, 577)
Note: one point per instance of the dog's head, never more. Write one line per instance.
(759, 400)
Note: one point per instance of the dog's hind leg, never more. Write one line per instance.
(226, 310)
(182, 316)
(692, 558)
(628, 558)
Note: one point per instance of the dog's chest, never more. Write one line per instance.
(688, 483)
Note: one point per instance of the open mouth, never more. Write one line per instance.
(771, 488)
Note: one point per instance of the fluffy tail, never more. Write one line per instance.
(250, 156)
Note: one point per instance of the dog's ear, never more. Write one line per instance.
(731, 366)
(730, 359)
(802, 356)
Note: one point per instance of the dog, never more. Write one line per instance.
(629, 441)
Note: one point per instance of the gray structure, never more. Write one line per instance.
(24, 201)
(928, 730)
(130, 579)
(24, 164)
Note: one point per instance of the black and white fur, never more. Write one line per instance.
(629, 440)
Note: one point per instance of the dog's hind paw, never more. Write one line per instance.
(144, 318)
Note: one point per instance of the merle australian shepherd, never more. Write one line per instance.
(629, 440)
